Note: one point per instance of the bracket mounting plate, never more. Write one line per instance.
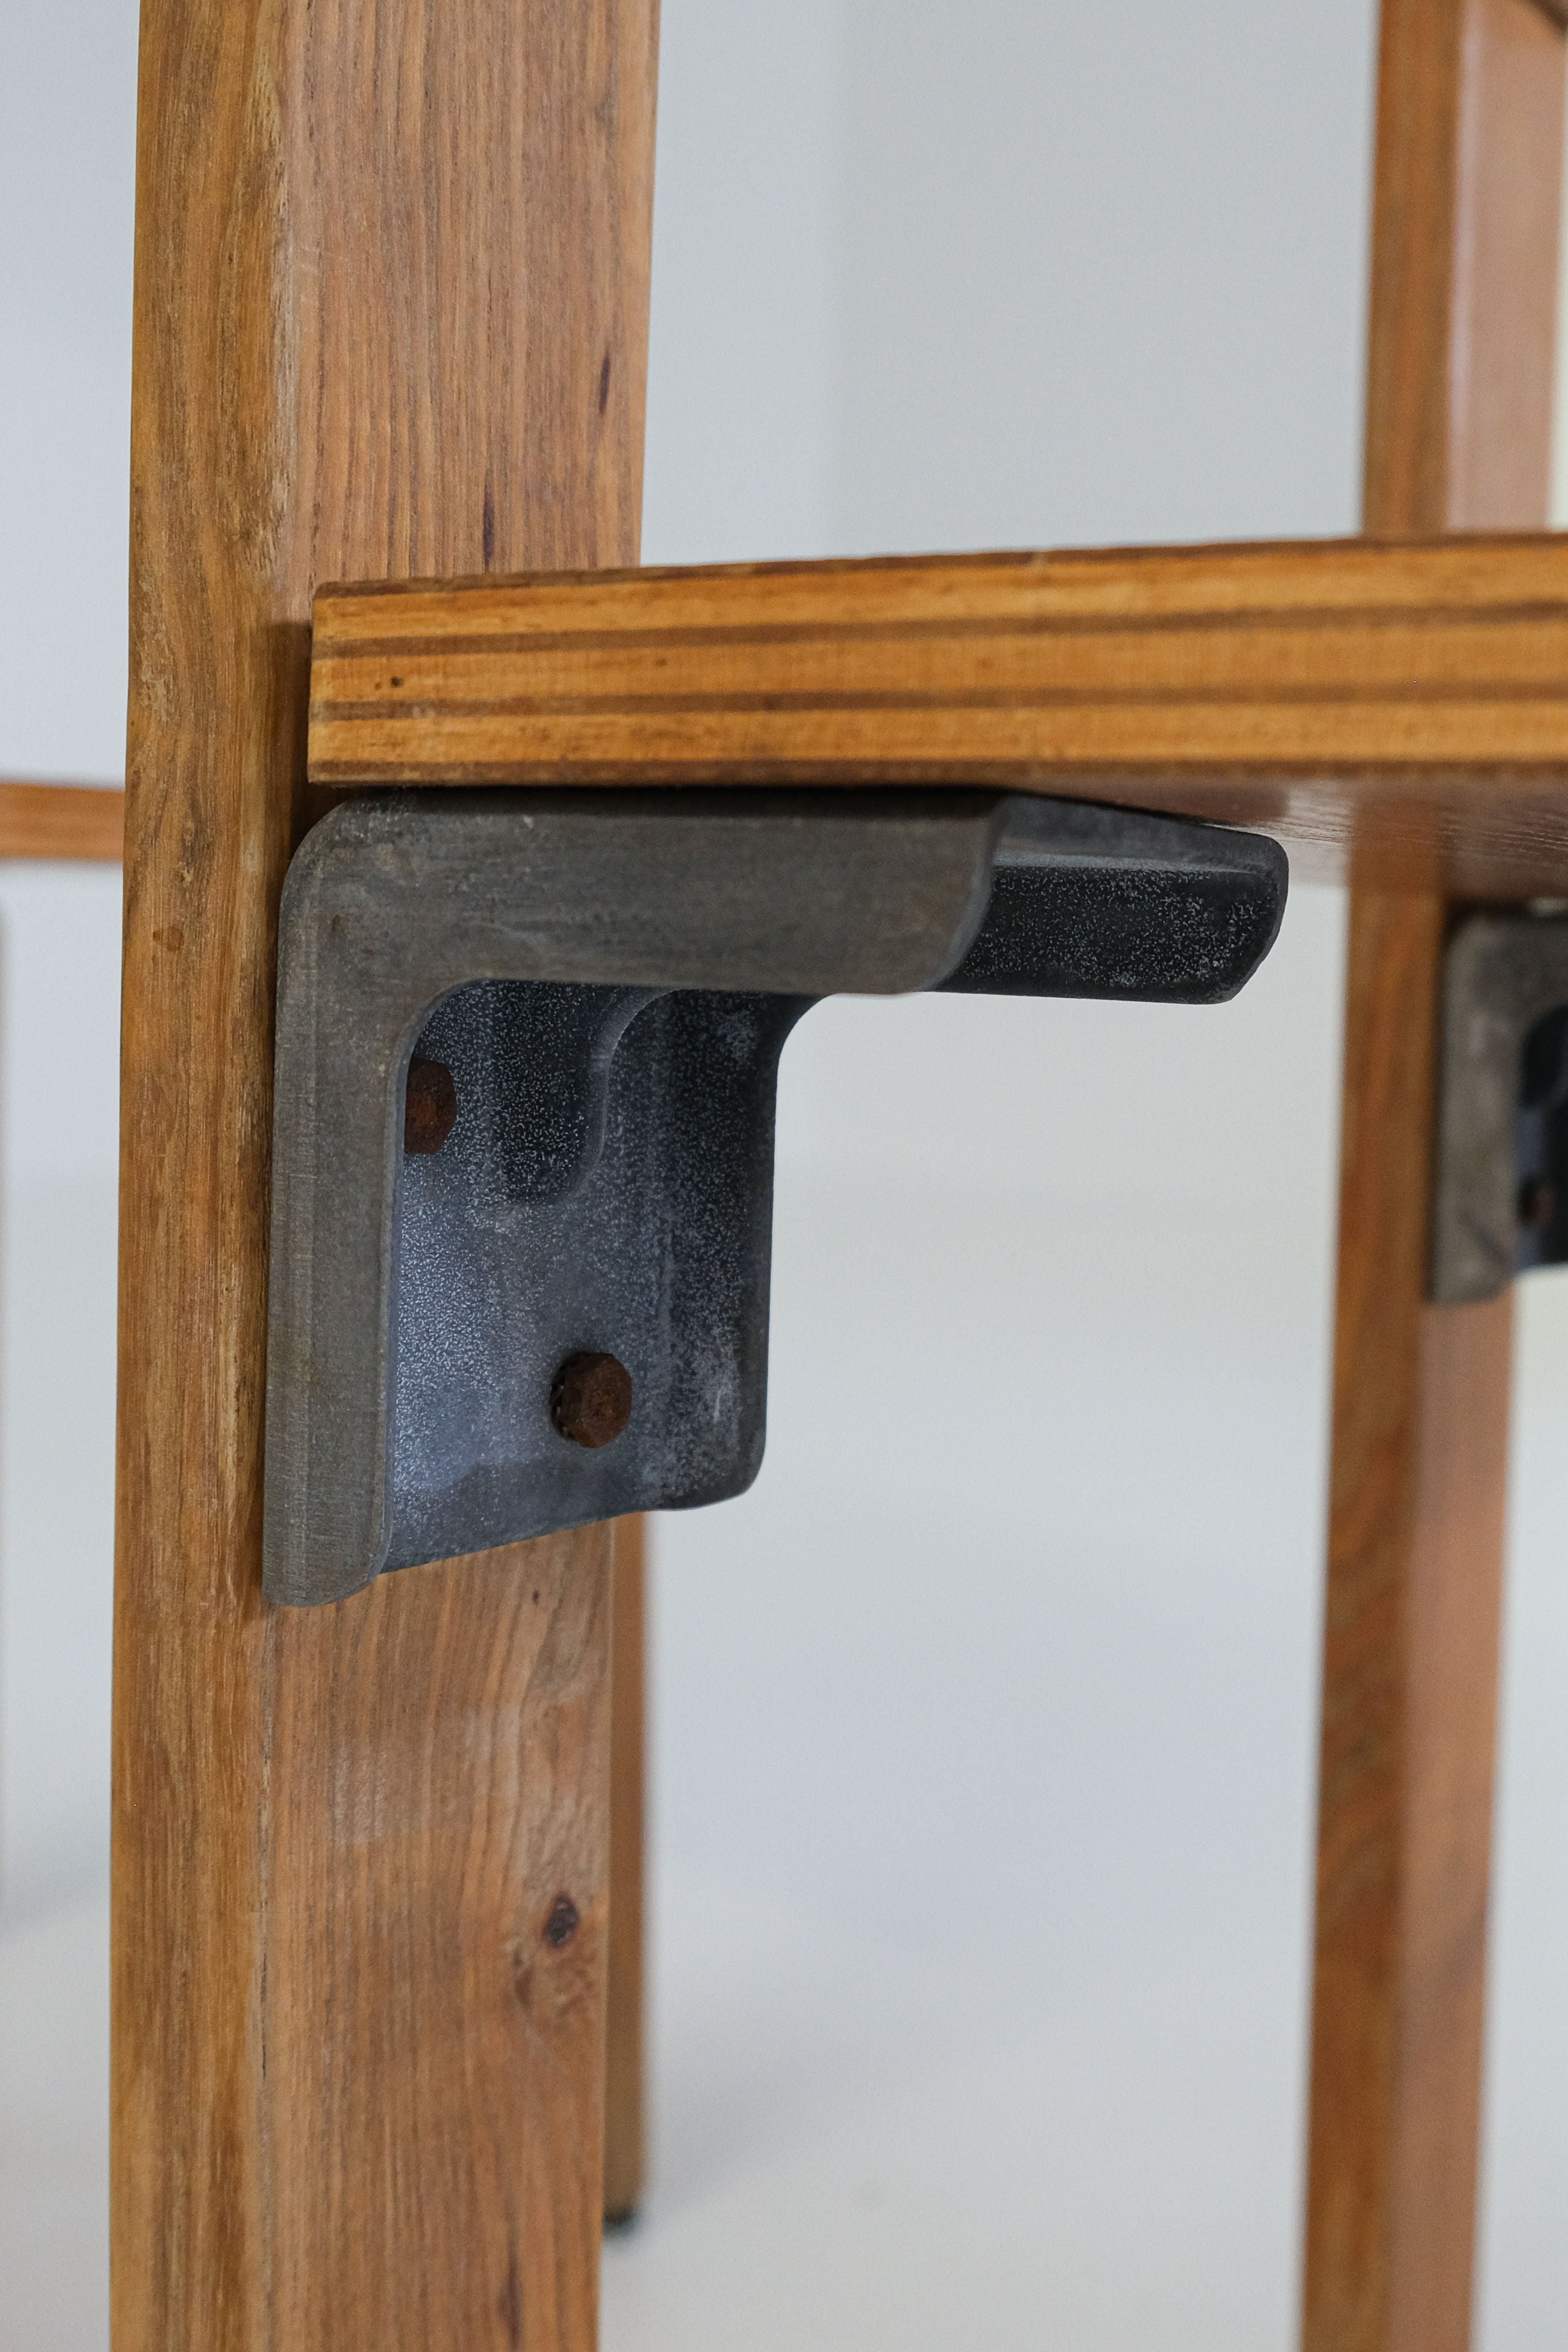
(1502, 1140)
(609, 978)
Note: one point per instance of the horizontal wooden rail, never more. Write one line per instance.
(1398, 706)
(84, 822)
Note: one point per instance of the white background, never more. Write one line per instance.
(985, 1726)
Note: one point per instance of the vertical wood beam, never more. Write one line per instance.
(1470, 154)
(625, 2073)
(392, 263)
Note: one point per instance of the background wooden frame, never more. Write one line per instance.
(79, 823)
(1464, 305)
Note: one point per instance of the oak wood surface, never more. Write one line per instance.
(1397, 709)
(625, 2072)
(391, 316)
(1464, 294)
(84, 822)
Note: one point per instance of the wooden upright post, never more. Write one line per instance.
(625, 2085)
(1458, 436)
(392, 265)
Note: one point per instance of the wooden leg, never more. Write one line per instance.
(625, 2071)
(390, 318)
(1458, 434)
(435, 2064)
(1421, 1398)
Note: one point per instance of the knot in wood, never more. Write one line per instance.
(563, 1922)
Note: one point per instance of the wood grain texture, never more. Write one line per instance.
(1464, 292)
(73, 822)
(390, 317)
(1413, 1604)
(1398, 708)
(436, 1933)
(1465, 229)
(625, 2074)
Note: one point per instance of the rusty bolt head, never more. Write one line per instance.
(590, 1399)
(563, 1923)
(430, 1109)
(1536, 1203)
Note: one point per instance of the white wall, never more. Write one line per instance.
(68, 81)
(1025, 273)
(67, 135)
(986, 1724)
(59, 1071)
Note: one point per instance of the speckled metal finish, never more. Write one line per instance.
(609, 979)
(1504, 974)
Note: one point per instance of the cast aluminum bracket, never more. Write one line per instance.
(610, 978)
(1501, 1191)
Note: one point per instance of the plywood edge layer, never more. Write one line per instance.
(1346, 569)
(1343, 672)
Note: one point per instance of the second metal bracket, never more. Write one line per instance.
(1501, 1148)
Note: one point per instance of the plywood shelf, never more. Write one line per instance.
(1397, 708)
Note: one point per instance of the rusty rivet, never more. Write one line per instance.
(590, 1399)
(563, 1922)
(1536, 1203)
(430, 1109)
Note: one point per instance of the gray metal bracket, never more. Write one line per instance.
(1501, 1191)
(598, 985)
